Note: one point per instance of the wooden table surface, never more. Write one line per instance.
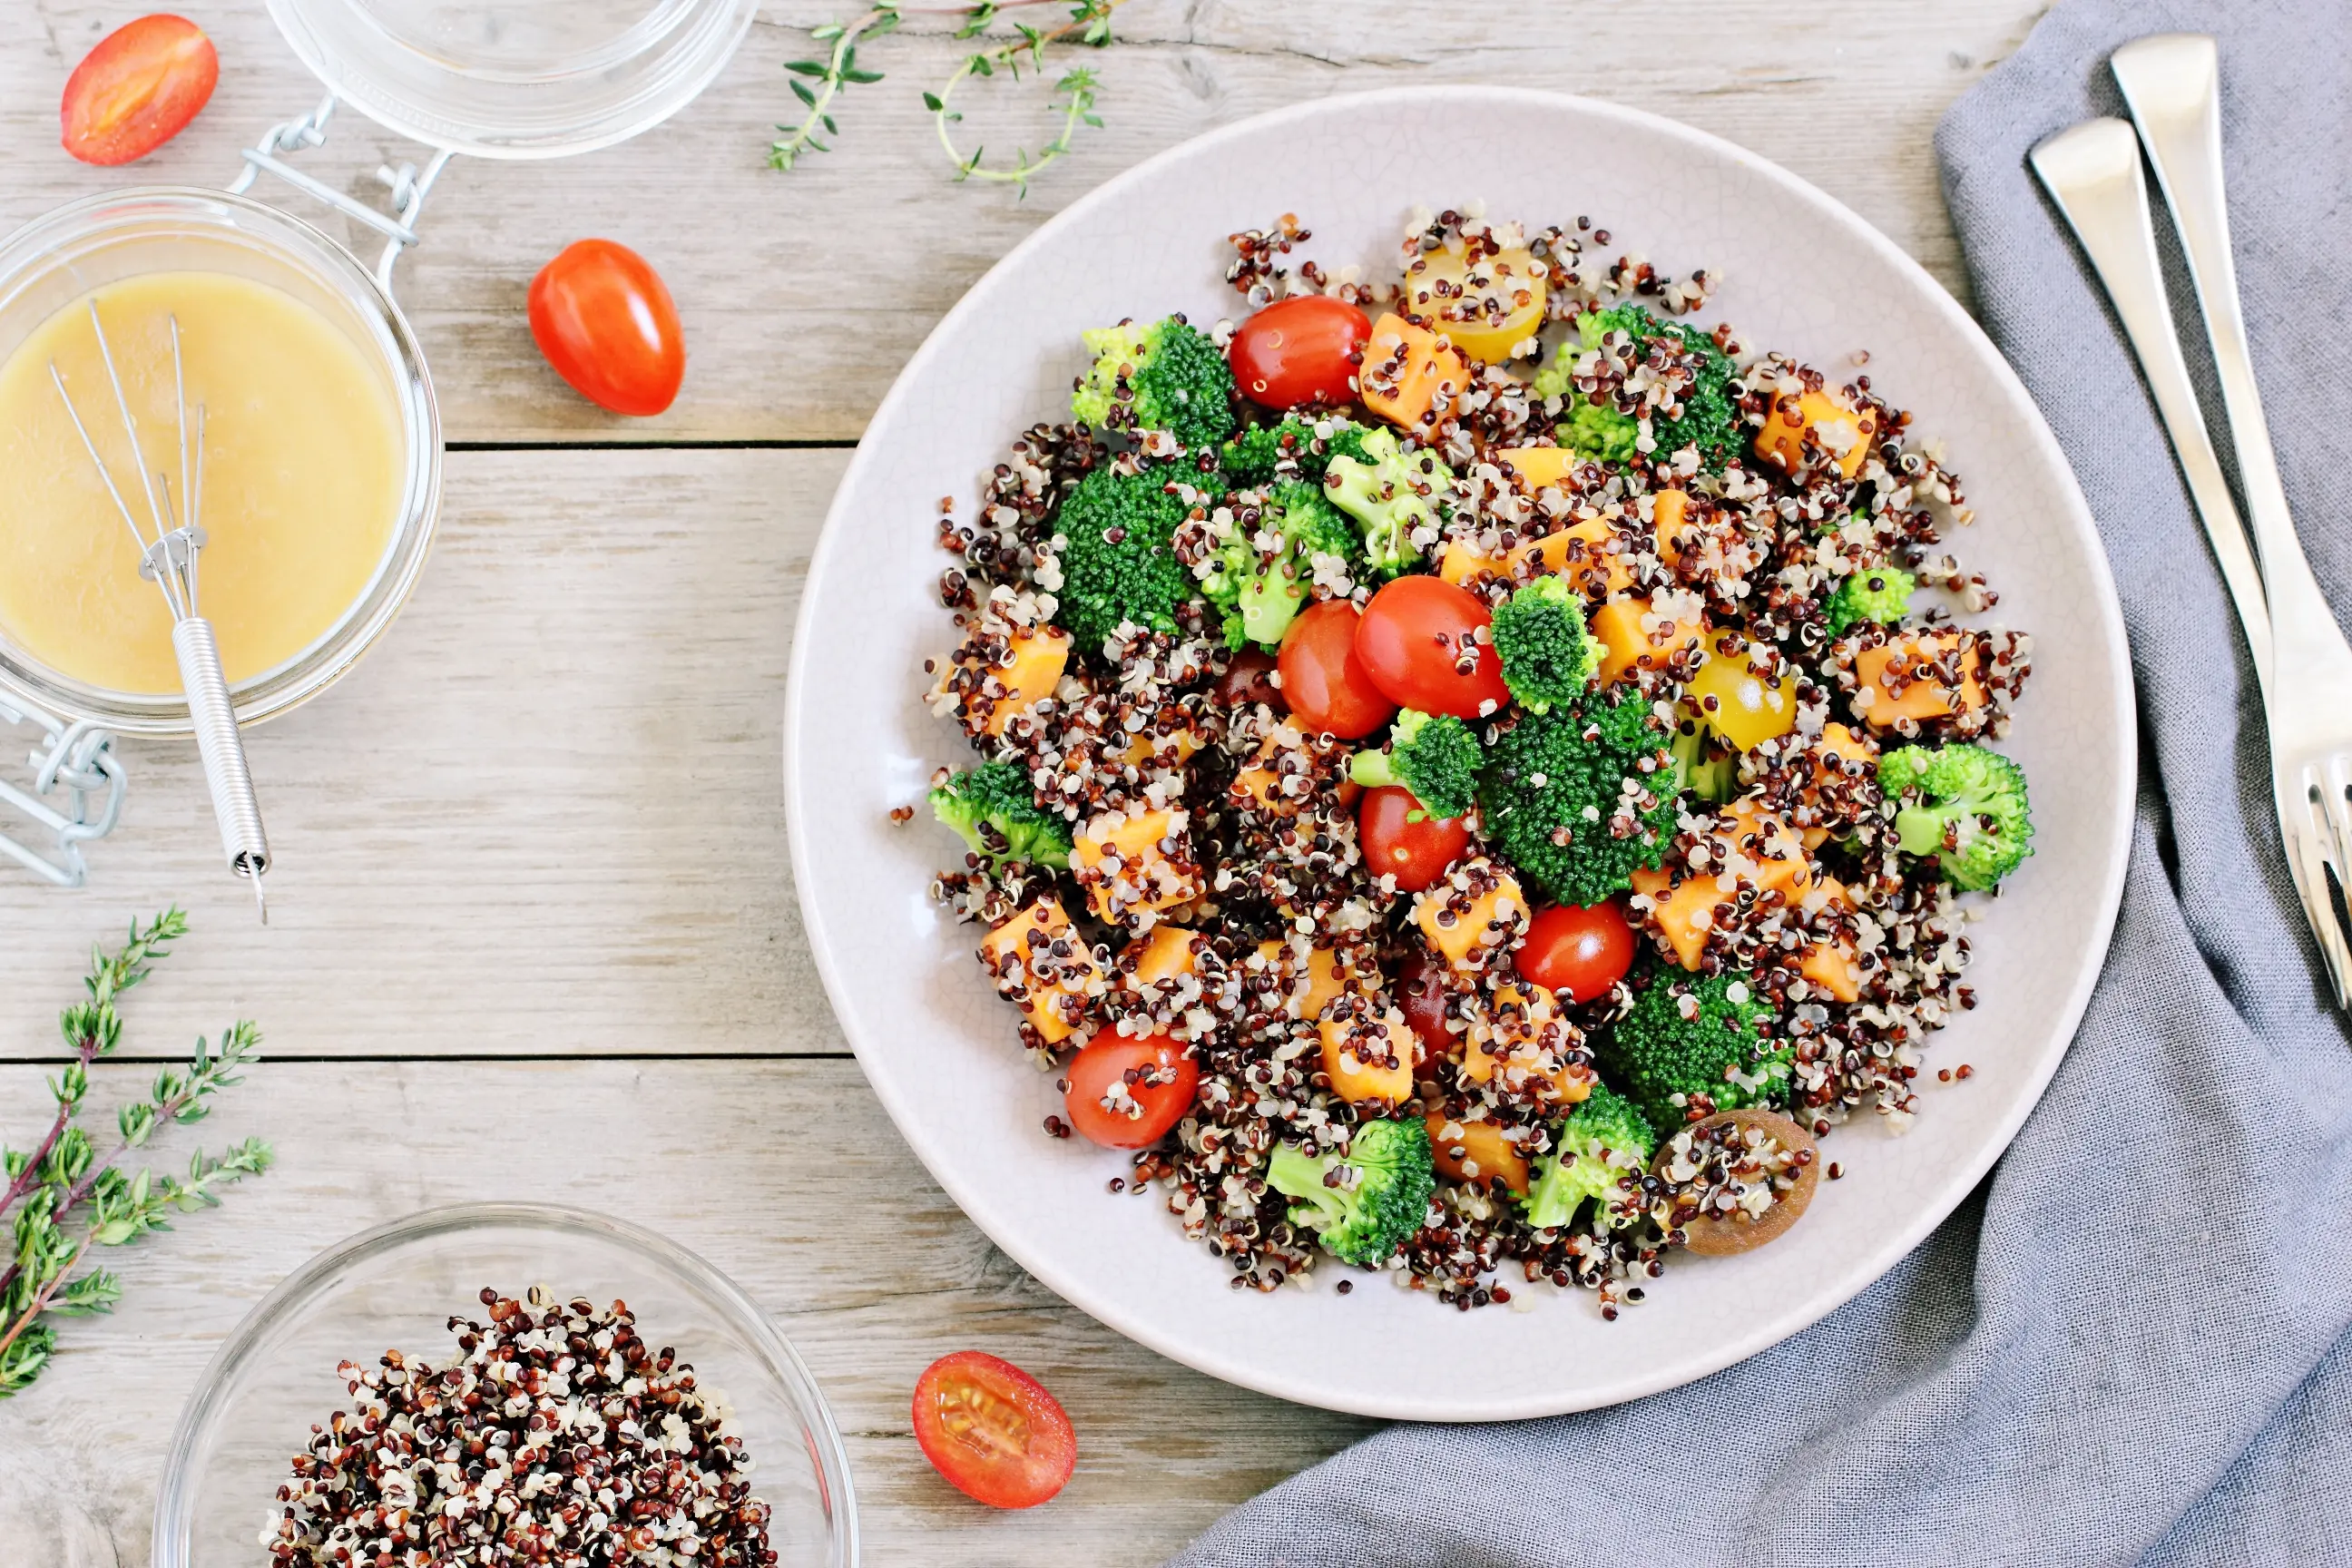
(533, 933)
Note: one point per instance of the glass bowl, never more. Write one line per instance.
(516, 79)
(396, 1287)
(63, 255)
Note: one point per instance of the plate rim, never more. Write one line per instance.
(1959, 1180)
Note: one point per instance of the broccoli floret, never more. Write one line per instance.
(1597, 431)
(1261, 594)
(1554, 790)
(1600, 433)
(1604, 1139)
(1165, 376)
(1435, 757)
(1963, 804)
(1661, 1057)
(1390, 493)
(1880, 594)
(1708, 420)
(1291, 448)
(1136, 578)
(993, 808)
(1384, 1198)
(1547, 654)
(1702, 766)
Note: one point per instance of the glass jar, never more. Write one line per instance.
(59, 257)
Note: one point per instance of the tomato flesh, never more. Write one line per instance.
(1575, 952)
(1421, 997)
(1416, 853)
(1414, 637)
(606, 323)
(1250, 679)
(1324, 681)
(1160, 1079)
(137, 90)
(992, 1431)
(1300, 352)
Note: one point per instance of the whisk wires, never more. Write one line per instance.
(170, 557)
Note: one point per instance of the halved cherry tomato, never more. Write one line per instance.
(1300, 350)
(1578, 953)
(603, 319)
(1413, 638)
(138, 90)
(1250, 679)
(1323, 679)
(992, 1431)
(1415, 853)
(1421, 997)
(1111, 1060)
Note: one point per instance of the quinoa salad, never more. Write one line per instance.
(1474, 773)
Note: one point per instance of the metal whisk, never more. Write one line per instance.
(169, 560)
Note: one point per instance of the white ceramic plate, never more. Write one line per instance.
(1801, 274)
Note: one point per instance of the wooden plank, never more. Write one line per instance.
(803, 293)
(864, 1263)
(543, 815)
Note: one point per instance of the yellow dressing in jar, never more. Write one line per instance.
(303, 479)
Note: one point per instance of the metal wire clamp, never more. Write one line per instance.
(76, 793)
(408, 184)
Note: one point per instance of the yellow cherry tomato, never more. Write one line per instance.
(1489, 307)
(1744, 710)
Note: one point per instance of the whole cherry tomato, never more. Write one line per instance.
(1250, 679)
(1421, 997)
(1416, 853)
(1159, 1077)
(1305, 350)
(1576, 953)
(603, 319)
(993, 1431)
(1414, 638)
(1324, 681)
(137, 90)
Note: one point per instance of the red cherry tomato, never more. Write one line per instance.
(1578, 953)
(1415, 853)
(1250, 679)
(603, 319)
(993, 1431)
(1410, 637)
(1300, 350)
(1111, 1060)
(137, 90)
(1324, 681)
(1421, 997)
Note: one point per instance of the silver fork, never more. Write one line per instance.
(2170, 82)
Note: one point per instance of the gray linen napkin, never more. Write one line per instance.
(2131, 1344)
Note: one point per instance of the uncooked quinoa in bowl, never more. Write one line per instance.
(1475, 769)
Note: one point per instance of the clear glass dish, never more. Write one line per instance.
(397, 1285)
(516, 79)
(57, 257)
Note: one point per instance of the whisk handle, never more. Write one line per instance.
(221, 747)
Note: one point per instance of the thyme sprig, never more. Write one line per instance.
(66, 1197)
(1089, 26)
(839, 68)
(817, 83)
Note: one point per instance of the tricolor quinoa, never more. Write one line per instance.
(1614, 785)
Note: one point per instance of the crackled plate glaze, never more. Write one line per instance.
(1800, 273)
